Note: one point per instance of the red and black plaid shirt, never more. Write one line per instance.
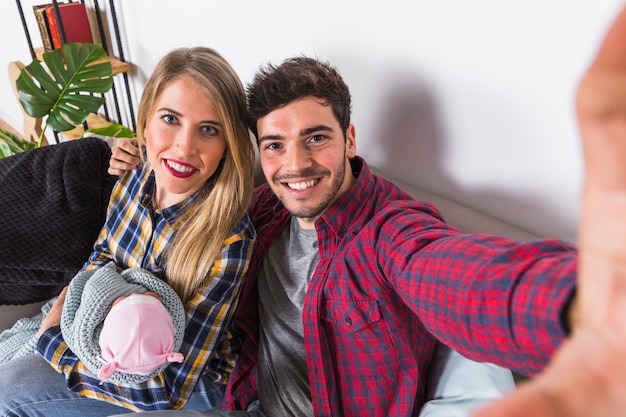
(391, 275)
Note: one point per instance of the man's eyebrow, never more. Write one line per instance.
(270, 137)
(318, 128)
(304, 132)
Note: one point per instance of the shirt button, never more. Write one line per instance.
(349, 321)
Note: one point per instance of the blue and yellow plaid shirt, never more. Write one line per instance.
(135, 235)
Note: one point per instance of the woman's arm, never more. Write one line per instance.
(208, 314)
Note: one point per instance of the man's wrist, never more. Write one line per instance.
(569, 315)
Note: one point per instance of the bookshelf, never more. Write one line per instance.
(118, 66)
(118, 107)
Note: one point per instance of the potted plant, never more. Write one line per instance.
(62, 90)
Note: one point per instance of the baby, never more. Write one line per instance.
(137, 336)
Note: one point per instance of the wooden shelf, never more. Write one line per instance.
(93, 121)
(117, 65)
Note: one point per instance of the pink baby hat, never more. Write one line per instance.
(137, 337)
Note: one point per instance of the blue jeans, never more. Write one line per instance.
(254, 410)
(30, 387)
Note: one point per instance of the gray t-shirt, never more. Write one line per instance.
(283, 382)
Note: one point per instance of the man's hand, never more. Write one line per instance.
(124, 156)
(587, 375)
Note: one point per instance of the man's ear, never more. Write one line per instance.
(351, 142)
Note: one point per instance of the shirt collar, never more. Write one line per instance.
(341, 215)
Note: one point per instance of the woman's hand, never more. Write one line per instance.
(54, 315)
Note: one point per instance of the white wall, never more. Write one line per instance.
(472, 100)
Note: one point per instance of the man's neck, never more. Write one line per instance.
(307, 224)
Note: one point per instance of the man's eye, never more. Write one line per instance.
(316, 138)
(272, 146)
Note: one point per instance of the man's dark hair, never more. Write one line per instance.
(296, 78)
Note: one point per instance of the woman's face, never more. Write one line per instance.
(184, 141)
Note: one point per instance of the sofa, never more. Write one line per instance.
(55, 201)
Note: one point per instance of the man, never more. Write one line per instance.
(372, 275)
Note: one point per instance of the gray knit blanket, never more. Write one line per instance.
(89, 298)
(21, 339)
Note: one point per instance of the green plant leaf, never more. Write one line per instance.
(11, 144)
(5, 150)
(115, 131)
(62, 88)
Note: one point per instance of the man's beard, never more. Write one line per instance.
(311, 212)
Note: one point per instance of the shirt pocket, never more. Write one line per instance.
(360, 331)
(351, 316)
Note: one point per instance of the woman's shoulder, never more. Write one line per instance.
(244, 229)
(132, 181)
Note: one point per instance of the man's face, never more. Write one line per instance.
(305, 158)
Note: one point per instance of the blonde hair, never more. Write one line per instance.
(225, 197)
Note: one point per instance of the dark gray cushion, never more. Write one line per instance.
(53, 202)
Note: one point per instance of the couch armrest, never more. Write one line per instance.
(53, 202)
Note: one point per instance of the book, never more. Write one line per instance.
(74, 21)
(42, 23)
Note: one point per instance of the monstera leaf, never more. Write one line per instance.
(62, 89)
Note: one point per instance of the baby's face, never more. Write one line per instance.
(150, 293)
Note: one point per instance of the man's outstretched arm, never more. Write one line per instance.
(587, 375)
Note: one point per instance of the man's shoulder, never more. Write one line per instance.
(263, 205)
(262, 196)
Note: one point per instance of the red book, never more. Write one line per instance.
(75, 23)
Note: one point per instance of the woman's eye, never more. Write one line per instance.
(210, 130)
(168, 118)
(272, 146)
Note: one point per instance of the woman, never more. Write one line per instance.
(182, 216)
